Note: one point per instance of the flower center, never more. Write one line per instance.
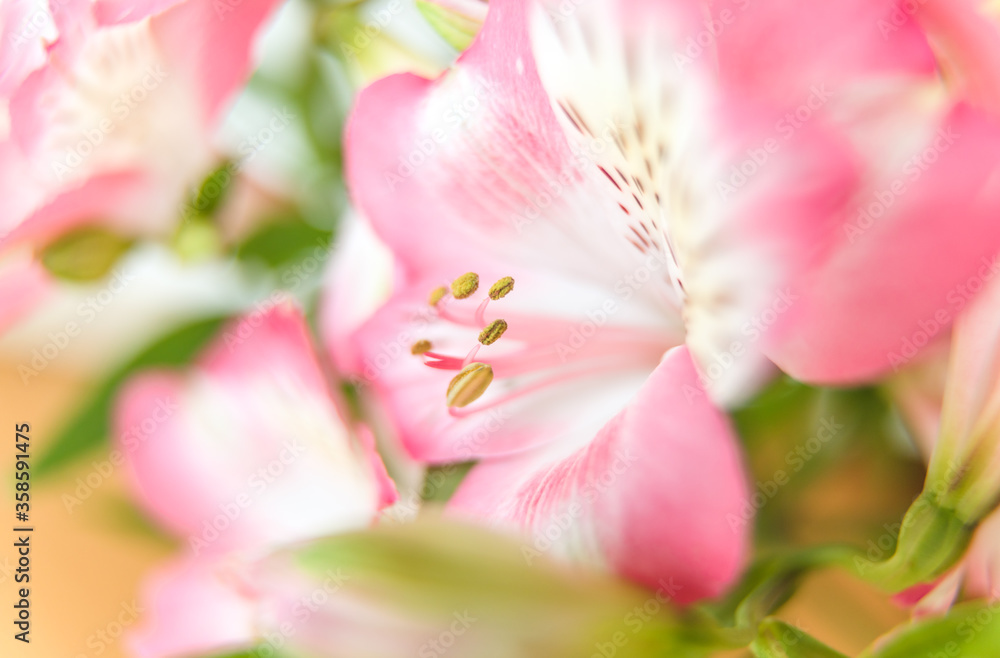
(473, 378)
(535, 353)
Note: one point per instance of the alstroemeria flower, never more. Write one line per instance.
(117, 125)
(244, 453)
(664, 190)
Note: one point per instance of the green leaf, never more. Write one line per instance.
(769, 582)
(86, 254)
(971, 630)
(212, 192)
(776, 639)
(427, 570)
(931, 540)
(441, 482)
(280, 243)
(90, 426)
(262, 651)
(457, 29)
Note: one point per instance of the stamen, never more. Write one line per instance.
(501, 288)
(443, 361)
(465, 285)
(481, 311)
(534, 386)
(421, 347)
(437, 295)
(469, 385)
(492, 333)
(471, 355)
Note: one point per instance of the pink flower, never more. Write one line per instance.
(115, 125)
(677, 199)
(244, 453)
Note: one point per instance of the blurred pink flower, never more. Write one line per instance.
(115, 124)
(24, 284)
(244, 453)
(25, 27)
(676, 197)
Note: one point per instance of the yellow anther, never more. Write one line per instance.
(492, 332)
(501, 288)
(468, 385)
(437, 295)
(421, 347)
(465, 285)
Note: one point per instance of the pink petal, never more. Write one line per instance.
(192, 607)
(24, 27)
(445, 169)
(906, 273)
(358, 280)
(982, 562)
(659, 494)
(210, 42)
(109, 199)
(780, 48)
(19, 195)
(971, 394)
(113, 12)
(24, 283)
(248, 450)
